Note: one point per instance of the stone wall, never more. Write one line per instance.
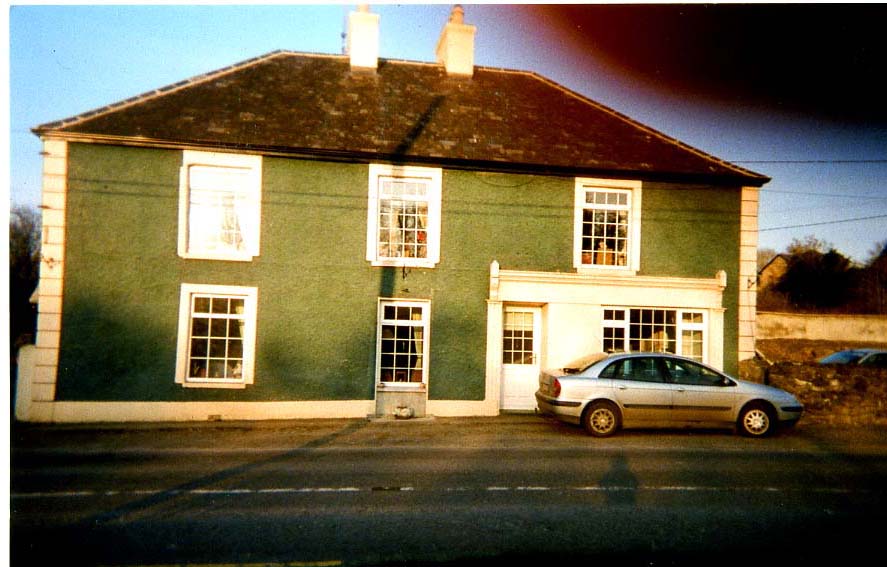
(835, 394)
(772, 325)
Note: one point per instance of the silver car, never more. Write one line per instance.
(605, 392)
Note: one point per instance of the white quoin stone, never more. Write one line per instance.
(363, 39)
(455, 48)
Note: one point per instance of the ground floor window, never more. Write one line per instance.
(676, 331)
(217, 328)
(403, 342)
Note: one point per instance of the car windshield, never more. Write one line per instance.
(581, 364)
(843, 357)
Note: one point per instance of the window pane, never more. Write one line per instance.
(200, 327)
(235, 349)
(197, 369)
(201, 304)
(219, 305)
(199, 347)
(235, 328)
(217, 348)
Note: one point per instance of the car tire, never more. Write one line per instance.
(601, 419)
(756, 420)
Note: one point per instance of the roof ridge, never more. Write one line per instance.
(148, 95)
(639, 125)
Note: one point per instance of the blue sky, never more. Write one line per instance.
(65, 60)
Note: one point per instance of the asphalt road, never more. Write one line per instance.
(441, 491)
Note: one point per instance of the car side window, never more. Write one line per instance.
(876, 360)
(612, 371)
(692, 374)
(634, 369)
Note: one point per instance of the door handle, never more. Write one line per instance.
(622, 387)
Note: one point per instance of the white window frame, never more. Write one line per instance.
(424, 324)
(250, 213)
(432, 177)
(632, 189)
(680, 327)
(183, 351)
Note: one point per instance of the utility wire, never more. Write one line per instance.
(822, 223)
(808, 161)
(810, 193)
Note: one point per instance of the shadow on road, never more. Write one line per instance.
(619, 483)
(169, 494)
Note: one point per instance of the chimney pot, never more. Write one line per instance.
(363, 39)
(455, 48)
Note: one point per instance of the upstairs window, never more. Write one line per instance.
(403, 225)
(607, 224)
(219, 206)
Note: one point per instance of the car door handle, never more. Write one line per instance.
(680, 390)
(622, 387)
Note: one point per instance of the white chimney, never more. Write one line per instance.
(455, 48)
(363, 39)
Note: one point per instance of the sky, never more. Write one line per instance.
(787, 91)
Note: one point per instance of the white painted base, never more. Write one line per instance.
(95, 412)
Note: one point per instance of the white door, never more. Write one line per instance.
(521, 336)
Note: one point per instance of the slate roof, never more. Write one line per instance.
(313, 105)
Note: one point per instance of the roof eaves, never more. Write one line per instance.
(369, 156)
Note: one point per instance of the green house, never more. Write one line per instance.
(304, 235)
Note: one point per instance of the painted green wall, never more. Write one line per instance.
(317, 293)
(693, 232)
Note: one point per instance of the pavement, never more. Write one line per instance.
(503, 431)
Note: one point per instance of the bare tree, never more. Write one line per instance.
(765, 255)
(24, 262)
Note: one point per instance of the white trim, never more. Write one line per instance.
(250, 297)
(633, 187)
(93, 412)
(748, 275)
(543, 287)
(434, 177)
(43, 375)
(252, 214)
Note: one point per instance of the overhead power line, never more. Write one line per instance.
(815, 194)
(805, 161)
(822, 223)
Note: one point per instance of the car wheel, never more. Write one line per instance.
(601, 419)
(756, 420)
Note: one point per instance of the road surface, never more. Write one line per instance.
(471, 491)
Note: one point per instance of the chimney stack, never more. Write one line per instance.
(363, 39)
(455, 48)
